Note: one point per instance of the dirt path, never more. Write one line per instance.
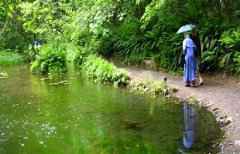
(220, 93)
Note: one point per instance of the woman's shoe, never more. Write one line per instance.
(193, 84)
(187, 84)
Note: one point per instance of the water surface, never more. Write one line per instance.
(37, 116)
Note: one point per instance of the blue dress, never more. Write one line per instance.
(190, 66)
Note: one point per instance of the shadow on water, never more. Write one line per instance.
(43, 116)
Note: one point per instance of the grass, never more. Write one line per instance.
(10, 58)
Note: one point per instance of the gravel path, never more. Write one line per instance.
(222, 94)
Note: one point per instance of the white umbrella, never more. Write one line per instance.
(186, 28)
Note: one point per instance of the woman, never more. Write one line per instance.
(196, 40)
(190, 66)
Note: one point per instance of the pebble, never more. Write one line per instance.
(229, 120)
(215, 109)
(237, 142)
(230, 143)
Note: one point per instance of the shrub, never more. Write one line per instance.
(51, 59)
(99, 69)
(231, 39)
(230, 59)
(80, 57)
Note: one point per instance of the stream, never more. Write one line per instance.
(72, 115)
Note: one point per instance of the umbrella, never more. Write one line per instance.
(186, 28)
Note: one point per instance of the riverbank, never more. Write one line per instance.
(219, 95)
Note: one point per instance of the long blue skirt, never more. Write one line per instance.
(190, 68)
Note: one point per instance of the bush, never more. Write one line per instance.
(80, 57)
(51, 59)
(230, 59)
(99, 69)
(223, 53)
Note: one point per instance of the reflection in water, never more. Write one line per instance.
(152, 108)
(189, 125)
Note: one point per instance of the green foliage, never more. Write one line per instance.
(12, 34)
(44, 19)
(154, 33)
(223, 54)
(231, 39)
(10, 58)
(51, 59)
(99, 69)
(80, 58)
(231, 58)
(136, 30)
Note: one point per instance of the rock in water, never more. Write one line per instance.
(133, 124)
(165, 79)
(3, 75)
